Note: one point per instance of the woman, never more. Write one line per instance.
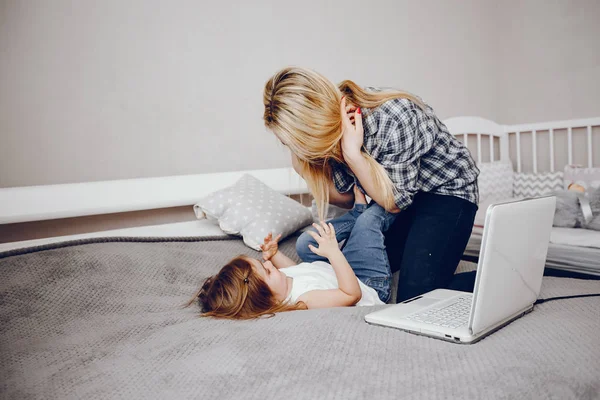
(394, 148)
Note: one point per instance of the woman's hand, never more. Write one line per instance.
(270, 246)
(328, 245)
(350, 110)
(352, 135)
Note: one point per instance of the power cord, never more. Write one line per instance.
(540, 301)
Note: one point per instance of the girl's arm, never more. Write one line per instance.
(280, 260)
(348, 292)
(270, 251)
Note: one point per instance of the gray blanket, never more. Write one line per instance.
(102, 320)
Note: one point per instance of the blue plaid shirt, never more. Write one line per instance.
(417, 151)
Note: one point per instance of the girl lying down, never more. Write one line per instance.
(248, 288)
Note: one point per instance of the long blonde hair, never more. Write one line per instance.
(302, 108)
(238, 292)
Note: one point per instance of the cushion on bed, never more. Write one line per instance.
(586, 177)
(495, 185)
(537, 184)
(578, 210)
(568, 212)
(495, 180)
(251, 209)
(483, 206)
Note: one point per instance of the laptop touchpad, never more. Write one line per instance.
(421, 301)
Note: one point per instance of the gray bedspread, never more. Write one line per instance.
(102, 321)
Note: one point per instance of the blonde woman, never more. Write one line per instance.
(392, 146)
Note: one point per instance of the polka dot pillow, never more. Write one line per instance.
(251, 209)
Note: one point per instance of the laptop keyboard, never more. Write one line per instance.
(453, 315)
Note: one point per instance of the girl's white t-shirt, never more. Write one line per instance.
(319, 275)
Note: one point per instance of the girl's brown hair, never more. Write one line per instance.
(302, 108)
(238, 292)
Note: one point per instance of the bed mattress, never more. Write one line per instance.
(581, 259)
(103, 320)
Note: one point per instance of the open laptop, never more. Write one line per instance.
(509, 278)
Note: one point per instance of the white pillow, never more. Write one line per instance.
(483, 206)
(589, 178)
(495, 186)
(495, 181)
(251, 209)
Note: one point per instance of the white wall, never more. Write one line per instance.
(550, 57)
(97, 90)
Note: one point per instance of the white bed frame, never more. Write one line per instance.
(493, 133)
(505, 143)
(37, 203)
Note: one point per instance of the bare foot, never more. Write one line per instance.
(359, 197)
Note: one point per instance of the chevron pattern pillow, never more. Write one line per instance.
(495, 181)
(536, 185)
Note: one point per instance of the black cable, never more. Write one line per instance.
(540, 301)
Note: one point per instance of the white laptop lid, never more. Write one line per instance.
(513, 256)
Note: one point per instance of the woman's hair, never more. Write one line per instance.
(238, 292)
(302, 108)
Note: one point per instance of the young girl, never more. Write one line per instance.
(248, 288)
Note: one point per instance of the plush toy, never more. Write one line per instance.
(577, 209)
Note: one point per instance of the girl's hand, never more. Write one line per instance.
(270, 246)
(328, 245)
(352, 135)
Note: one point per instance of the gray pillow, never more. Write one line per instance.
(251, 209)
(594, 197)
(568, 212)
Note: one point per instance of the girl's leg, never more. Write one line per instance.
(343, 226)
(427, 241)
(365, 249)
